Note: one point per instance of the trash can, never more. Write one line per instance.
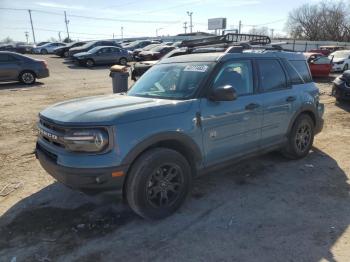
(119, 75)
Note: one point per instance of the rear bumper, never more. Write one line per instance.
(89, 180)
(42, 73)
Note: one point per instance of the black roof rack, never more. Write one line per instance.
(229, 38)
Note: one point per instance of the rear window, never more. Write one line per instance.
(303, 69)
(271, 76)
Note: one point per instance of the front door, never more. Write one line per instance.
(232, 128)
(9, 67)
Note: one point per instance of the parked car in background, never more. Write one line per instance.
(155, 53)
(341, 60)
(63, 51)
(47, 48)
(17, 67)
(139, 44)
(326, 50)
(136, 51)
(42, 43)
(139, 68)
(21, 48)
(320, 65)
(341, 87)
(86, 47)
(102, 55)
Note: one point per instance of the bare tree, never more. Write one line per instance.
(322, 21)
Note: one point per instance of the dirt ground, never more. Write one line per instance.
(264, 209)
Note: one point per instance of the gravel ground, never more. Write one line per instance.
(264, 209)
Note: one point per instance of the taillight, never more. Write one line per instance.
(44, 63)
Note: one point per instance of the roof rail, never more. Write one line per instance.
(227, 39)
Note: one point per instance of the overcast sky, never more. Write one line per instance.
(138, 18)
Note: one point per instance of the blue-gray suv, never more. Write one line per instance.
(186, 116)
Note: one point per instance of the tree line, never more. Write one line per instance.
(324, 21)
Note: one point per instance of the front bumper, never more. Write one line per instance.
(341, 91)
(89, 180)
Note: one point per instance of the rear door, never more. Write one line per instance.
(279, 98)
(232, 128)
(9, 67)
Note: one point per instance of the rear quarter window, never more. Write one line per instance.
(303, 69)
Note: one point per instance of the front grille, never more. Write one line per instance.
(52, 133)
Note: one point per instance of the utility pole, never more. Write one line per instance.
(122, 32)
(190, 15)
(113, 36)
(59, 36)
(240, 26)
(66, 21)
(31, 23)
(272, 30)
(185, 27)
(157, 30)
(27, 35)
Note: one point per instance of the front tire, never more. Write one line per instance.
(346, 67)
(158, 183)
(27, 77)
(89, 63)
(66, 54)
(44, 52)
(301, 138)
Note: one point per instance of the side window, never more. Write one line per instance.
(271, 75)
(322, 61)
(295, 77)
(238, 74)
(3, 58)
(303, 69)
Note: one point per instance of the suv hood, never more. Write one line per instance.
(111, 110)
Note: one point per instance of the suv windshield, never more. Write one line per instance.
(171, 81)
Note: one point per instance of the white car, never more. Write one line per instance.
(341, 60)
(47, 48)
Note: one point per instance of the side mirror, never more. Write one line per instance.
(223, 93)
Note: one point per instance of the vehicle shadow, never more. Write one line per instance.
(263, 209)
(345, 105)
(18, 85)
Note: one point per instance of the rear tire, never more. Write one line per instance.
(123, 61)
(66, 54)
(27, 77)
(89, 63)
(301, 138)
(158, 183)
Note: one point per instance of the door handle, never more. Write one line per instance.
(252, 106)
(290, 98)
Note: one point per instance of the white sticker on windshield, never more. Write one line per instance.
(196, 68)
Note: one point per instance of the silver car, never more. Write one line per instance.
(103, 55)
(16, 67)
(47, 48)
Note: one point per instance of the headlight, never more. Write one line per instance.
(86, 140)
(340, 62)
